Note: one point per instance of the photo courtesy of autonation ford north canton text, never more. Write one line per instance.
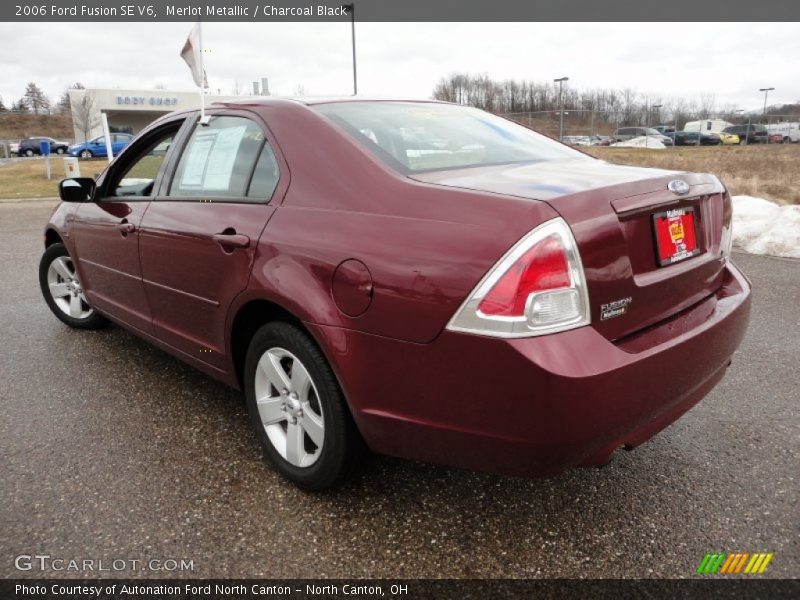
(374, 299)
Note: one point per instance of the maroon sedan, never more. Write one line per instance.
(424, 279)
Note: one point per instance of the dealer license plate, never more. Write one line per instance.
(676, 235)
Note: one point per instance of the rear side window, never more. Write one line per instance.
(265, 176)
(218, 160)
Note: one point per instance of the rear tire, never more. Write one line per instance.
(298, 410)
(28, 152)
(63, 292)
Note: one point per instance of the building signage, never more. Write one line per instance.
(147, 100)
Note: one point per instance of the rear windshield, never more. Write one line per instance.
(413, 137)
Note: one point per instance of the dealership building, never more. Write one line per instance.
(130, 111)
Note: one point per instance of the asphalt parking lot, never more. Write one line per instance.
(111, 449)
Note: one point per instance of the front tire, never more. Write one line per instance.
(86, 154)
(63, 292)
(28, 152)
(60, 151)
(297, 408)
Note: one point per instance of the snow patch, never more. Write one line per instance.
(763, 227)
(643, 141)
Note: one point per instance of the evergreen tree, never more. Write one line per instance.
(35, 98)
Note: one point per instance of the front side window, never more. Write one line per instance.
(139, 177)
(218, 159)
(414, 136)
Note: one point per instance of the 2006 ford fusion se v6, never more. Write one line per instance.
(422, 279)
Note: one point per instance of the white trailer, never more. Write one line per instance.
(789, 131)
(707, 125)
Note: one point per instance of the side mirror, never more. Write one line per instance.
(79, 189)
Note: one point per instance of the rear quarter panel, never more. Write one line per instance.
(425, 246)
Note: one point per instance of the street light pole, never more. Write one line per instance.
(766, 93)
(652, 108)
(351, 8)
(560, 81)
(656, 107)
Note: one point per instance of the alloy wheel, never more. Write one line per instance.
(66, 290)
(289, 407)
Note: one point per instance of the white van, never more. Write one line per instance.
(789, 131)
(707, 125)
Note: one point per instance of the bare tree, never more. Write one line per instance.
(63, 102)
(85, 116)
(707, 102)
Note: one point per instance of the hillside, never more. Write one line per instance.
(15, 127)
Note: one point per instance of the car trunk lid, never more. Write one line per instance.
(610, 210)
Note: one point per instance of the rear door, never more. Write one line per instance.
(106, 231)
(199, 236)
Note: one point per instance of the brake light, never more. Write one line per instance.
(538, 287)
(542, 267)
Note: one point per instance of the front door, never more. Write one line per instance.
(107, 231)
(199, 236)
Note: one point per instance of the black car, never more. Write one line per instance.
(754, 134)
(688, 138)
(30, 146)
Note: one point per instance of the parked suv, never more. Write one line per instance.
(757, 134)
(623, 134)
(30, 146)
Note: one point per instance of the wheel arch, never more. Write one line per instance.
(248, 318)
(51, 236)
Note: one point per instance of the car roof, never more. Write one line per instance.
(312, 100)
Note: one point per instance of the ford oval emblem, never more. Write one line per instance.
(678, 186)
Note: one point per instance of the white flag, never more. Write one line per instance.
(191, 54)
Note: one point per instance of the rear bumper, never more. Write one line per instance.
(535, 406)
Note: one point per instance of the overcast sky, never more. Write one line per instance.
(406, 59)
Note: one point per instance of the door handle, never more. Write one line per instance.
(231, 240)
(125, 228)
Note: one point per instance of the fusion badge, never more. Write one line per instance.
(614, 309)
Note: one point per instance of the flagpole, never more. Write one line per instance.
(202, 71)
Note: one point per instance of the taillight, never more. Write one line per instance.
(726, 239)
(538, 287)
